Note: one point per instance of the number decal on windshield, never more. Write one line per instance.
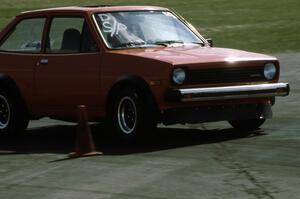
(111, 25)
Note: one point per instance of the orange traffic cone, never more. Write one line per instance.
(84, 141)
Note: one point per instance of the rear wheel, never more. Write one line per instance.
(247, 125)
(4, 112)
(13, 115)
(130, 116)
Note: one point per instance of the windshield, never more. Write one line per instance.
(144, 29)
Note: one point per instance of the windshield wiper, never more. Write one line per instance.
(168, 42)
(165, 43)
(132, 44)
(200, 43)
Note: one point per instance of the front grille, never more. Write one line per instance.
(211, 76)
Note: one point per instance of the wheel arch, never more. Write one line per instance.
(138, 83)
(9, 85)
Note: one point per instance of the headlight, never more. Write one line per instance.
(179, 76)
(270, 71)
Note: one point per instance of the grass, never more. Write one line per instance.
(269, 26)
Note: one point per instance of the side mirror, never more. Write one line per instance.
(210, 42)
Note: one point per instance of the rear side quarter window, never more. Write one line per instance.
(25, 37)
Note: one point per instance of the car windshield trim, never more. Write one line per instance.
(134, 44)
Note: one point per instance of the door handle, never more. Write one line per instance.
(43, 62)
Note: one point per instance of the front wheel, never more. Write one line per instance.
(247, 125)
(130, 116)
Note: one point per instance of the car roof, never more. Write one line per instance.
(89, 9)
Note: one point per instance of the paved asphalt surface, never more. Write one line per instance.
(198, 161)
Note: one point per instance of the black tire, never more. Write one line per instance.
(247, 125)
(129, 116)
(13, 115)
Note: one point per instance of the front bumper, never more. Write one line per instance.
(228, 92)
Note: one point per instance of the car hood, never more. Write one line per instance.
(192, 54)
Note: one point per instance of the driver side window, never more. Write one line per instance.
(70, 35)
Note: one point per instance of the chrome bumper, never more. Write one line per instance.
(229, 92)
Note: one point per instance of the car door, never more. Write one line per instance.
(68, 72)
(19, 53)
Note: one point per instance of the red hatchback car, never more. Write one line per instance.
(136, 66)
